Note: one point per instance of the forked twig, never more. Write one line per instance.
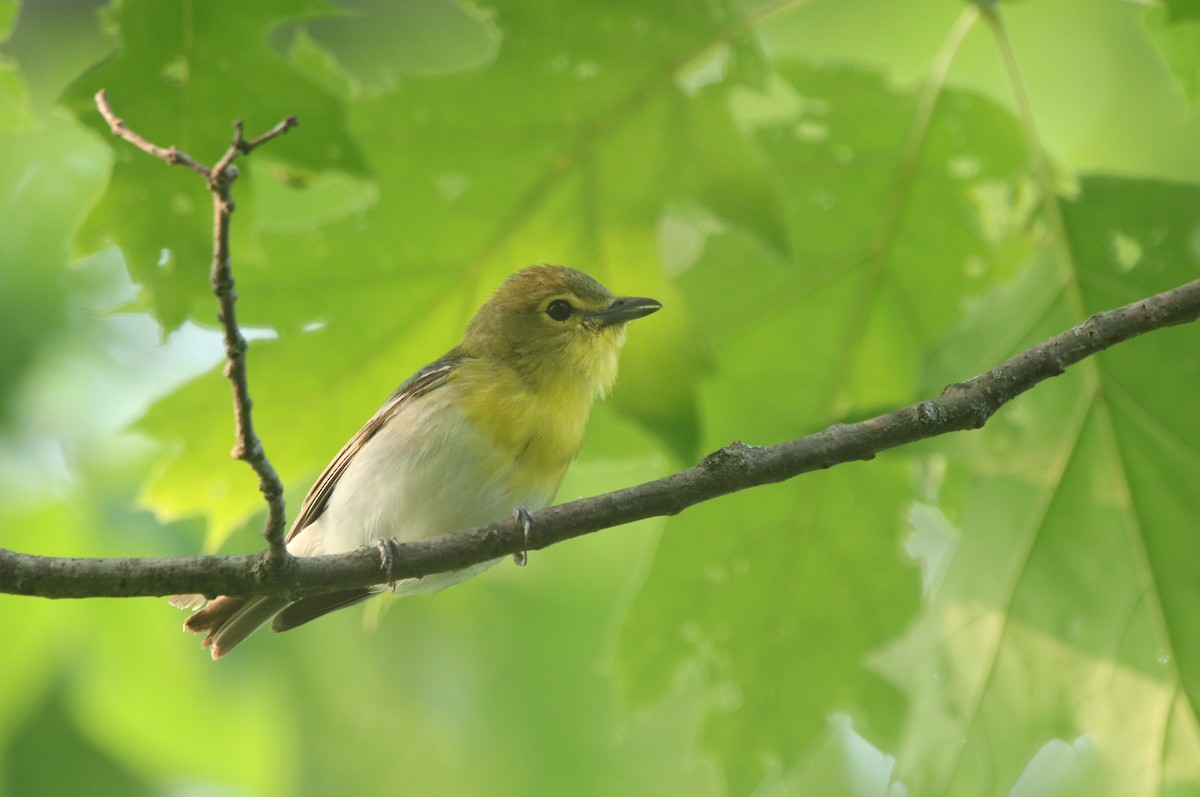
(219, 180)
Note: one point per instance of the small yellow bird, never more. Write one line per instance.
(484, 431)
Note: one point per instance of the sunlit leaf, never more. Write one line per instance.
(390, 285)
(1176, 33)
(181, 79)
(1067, 575)
(840, 215)
(770, 591)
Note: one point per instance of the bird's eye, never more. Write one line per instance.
(559, 309)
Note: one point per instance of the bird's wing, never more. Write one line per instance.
(418, 384)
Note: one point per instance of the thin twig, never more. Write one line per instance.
(961, 406)
(222, 166)
(220, 179)
(276, 131)
(119, 129)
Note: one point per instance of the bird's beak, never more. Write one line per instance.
(626, 308)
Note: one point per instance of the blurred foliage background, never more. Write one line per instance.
(843, 205)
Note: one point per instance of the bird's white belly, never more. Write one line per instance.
(421, 475)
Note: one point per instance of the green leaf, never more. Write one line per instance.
(775, 597)
(49, 173)
(1009, 611)
(779, 595)
(378, 43)
(15, 113)
(1064, 574)
(1176, 32)
(1182, 10)
(48, 736)
(391, 284)
(8, 14)
(181, 79)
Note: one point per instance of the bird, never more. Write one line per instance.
(483, 432)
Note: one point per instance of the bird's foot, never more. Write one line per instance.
(387, 559)
(524, 517)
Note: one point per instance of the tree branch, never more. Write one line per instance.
(961, 406)
(219, 179)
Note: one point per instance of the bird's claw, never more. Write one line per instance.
(387, 559)
(523, 516)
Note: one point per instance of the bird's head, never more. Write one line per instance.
(555, 324)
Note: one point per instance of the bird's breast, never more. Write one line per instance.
(532, 434)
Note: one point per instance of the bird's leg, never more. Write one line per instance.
(387, 556)
(524, 516)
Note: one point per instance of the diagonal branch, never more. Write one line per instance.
(961, 406)
(219, 179)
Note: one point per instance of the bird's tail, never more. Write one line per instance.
(227, 620)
